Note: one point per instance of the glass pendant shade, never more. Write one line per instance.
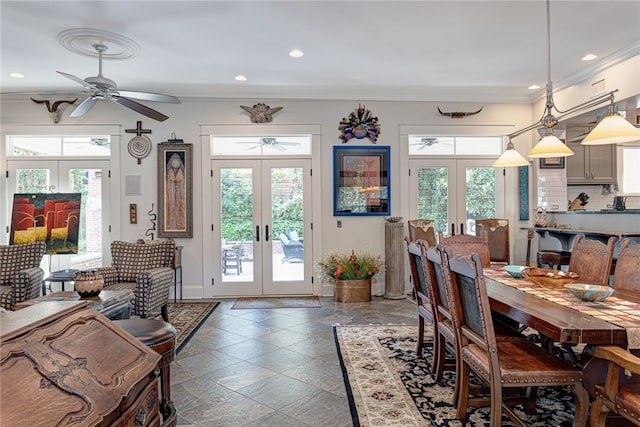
(510, 157)
(613, 129)
(550, 146)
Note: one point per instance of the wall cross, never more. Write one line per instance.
(138, 130)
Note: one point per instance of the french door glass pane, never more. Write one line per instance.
(32, 180)
(288, 226)
(433, 196)
(481, 195)
(88, 182)
(236, 213)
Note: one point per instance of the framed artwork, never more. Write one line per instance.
(552, 163)
(361, 181)
(53, 218)
(175, 190)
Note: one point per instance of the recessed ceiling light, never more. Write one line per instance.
(16, 75)
(296, 53)
(534, 87)
(240, 78)
(589, 57)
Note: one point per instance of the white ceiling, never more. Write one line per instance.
(364, 50)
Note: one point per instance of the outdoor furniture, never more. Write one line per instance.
(591, 260)
(497, 231)
(20, 273)
(232, 254)
(505, 365)
(145, 269)
(615, 395)
(291, 249)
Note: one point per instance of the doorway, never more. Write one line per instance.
(455, 192)
(262, 227)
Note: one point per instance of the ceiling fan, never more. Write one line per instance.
(426, 142)
(273, 142)
(103, 88)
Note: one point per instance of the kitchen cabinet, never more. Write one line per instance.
(591, 164)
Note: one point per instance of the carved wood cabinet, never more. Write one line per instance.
(62, 363)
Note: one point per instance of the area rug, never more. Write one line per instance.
(388, 385)
(187, 317)
(284, 302)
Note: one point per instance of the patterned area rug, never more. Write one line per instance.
(388, 385)
(187, 317)
(288, 302)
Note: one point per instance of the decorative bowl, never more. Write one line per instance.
(515, 270)
(549, 277)
(589, 292)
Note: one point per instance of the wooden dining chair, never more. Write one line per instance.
(591, 260)
(502, 364)
(422, 229)
(498, 236)
(614, 395)
(423, 294)
(464, 244)
(627, 272)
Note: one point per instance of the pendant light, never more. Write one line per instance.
(510, 158)
(549, 145)
(613, 129)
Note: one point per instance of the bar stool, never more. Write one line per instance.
(161, 337)
(553, 259)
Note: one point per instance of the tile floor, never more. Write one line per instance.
(274, 367)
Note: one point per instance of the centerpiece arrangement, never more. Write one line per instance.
(351, 273)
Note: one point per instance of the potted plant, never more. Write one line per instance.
(351, 273)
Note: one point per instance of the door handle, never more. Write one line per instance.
(257, 233)
(266, 233)
(461, 228)
(453, 229)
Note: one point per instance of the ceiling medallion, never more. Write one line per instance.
(359, 125)
(83, 41)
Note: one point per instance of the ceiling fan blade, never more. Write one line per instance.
(148, 96)
(77, 80)
(84, 106)
(142, 109)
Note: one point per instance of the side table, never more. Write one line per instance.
(62, 277)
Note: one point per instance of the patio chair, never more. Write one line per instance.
(232, 255)
(291, 249)
(144, 269)
(507, 366)
(20, 273)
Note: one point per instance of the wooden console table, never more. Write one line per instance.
(566, 236)
(62, 363)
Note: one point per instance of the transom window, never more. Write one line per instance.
(260, 145)
(68, 146)
(431, 145)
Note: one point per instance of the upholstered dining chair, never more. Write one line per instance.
(20, 273)
(497, 231)
(464, 244)
(627, 273)
(145, 269)
(591, 260)
(614, 395)
(424, 229)
(502, 364)
(423, 295)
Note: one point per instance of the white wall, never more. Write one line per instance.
(187, 118)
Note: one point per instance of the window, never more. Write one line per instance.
(260, 145)
(420, 145)
(68, 146)
(630, 170)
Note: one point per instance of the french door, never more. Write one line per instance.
(455, 192)
(262, 230)
(69, 176)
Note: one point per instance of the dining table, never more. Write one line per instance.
(565, 320)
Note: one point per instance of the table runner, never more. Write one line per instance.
(614, 310)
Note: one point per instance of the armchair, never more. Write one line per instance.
(292, 249)
(20, 273)
(145, 269)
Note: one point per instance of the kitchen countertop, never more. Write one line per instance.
(598, 211)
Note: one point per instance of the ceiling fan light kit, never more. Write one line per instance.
(550, 145)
